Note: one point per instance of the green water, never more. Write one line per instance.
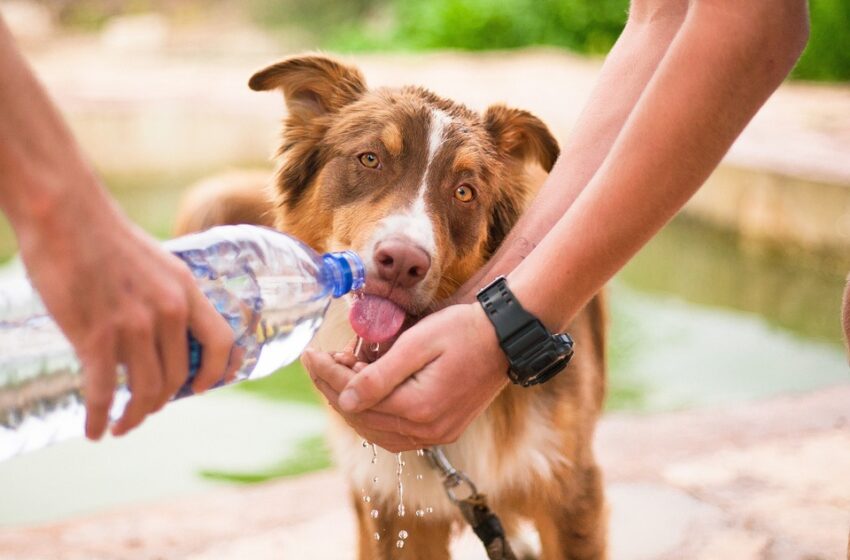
(797, 292)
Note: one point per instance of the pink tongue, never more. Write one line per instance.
(375, 319)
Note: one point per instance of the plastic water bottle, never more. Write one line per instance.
(272, 289)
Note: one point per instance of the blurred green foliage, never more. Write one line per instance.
(311, 454)
(288, 384)
(827, 56)
(589, 26)
(584, 26)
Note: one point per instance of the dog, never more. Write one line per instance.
(425, 190)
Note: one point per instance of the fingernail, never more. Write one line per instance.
(349, 400)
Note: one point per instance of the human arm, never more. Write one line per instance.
(432, 383)
(117, 296)
(674, 138)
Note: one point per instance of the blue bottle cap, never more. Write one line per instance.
(345, 271)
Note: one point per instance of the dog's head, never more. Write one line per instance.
(422, 188)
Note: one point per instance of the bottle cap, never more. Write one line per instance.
(347, 271)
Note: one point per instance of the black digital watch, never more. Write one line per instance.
(535, 354)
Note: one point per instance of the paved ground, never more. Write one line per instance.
(769, 480)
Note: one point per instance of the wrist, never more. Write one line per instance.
(45, 205)
(490, 344)
(534, 353)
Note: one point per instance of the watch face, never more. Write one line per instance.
(547, 359)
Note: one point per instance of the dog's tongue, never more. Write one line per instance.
(375, 319)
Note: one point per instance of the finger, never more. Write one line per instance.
(144, 377)
(377, 380)
(173, 352)
(99, 374)
(388, 439)
(330, 395)
(237, 355)
(216, 339)
(322, 368)
(376, 422)
(321, 365)
(346, 359)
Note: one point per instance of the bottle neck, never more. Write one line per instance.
(345, 272)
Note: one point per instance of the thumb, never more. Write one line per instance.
(377, 380)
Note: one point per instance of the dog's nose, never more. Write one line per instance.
(401, 263)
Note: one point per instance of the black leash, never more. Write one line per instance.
(485, 524)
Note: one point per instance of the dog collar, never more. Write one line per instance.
(535, 354)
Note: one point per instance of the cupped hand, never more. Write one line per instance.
(434, 381)
(121, 299)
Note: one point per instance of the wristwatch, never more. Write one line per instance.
(535, 354)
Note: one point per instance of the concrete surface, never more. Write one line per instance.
(762, 481)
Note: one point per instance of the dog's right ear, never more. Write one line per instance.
(312, 85)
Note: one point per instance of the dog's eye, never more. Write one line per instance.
(370, 160)
(465, 193)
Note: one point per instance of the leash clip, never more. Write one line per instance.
(452, 478)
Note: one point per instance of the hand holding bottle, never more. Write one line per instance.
(120, 299)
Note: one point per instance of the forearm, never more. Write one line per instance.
(723, 64)
(650, 29)
(39, 159)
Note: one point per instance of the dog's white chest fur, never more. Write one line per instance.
(475, 452)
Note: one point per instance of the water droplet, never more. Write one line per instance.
(420, 513)
(420, 452)
(429, 509)
(365, 443)
(367, 499)
(402, 534)
(374, 514)
(418, 477)
(374, 453)
(375, 480)
(399, 544)
(377, 536)
(401, 510)
(375, 347)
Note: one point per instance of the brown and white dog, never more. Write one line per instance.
(425, 190)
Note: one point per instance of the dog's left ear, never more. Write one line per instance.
(312, 85)
(521, 136)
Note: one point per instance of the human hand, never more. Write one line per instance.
(434, 381)
(121, 299)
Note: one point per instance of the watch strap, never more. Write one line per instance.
(535, 354)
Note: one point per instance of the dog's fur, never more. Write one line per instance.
(530, 451)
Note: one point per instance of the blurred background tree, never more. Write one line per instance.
(582, 26)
